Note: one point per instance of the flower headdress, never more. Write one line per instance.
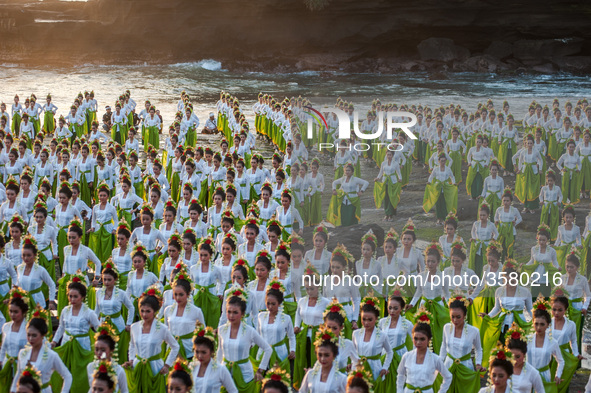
(263, 253)
(311, 270)
(321, 228)
(18, 219)
(29, 239)
(423, 316)
(75, 223)
(107, 329)
(242, 262)
(559, 291)
(252, 220)
(31, 371)
(283, 246)
(460, 297)
(500, 353)
(392, 234)
(204, 331)
(153, 290)
(276, 285)
(337, 307)
(434, 246)
(18, 293)
(123, 224)
(511, 263)
(139, 247)
(458, 244)
(42, 314)
(508, 191)
(180, 365)
(147, 208)
(371, 301)
(341, 250)
(495, 245)
(541, 304)
(277, 374)
(515, 333)
(295, 238)
(274, 222)
(543, 227)
(103, 186)
(364, 374)
(78, 277)
(228, 214)
(239, 292)
(325, 334)
(369, 235)
(409, 226)
(451, 216)
(183, 274)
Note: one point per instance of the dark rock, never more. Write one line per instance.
(482, 63)
(499, 49)
(524, 49)
(468, 210)
(574, 64)
(441, 49)
(546, 68)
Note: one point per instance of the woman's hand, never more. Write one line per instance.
(128, 364)
(383, 372)
(354, 325)
(53, 344)
(296, 330)
(52, 305)
(164, 370)
(334, 192)
(128, 328)
(291, 355)
(259, 375)
(482, 314)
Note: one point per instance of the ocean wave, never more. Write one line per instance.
(206, 64)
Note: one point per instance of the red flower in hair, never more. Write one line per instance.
(396, 293)
(17, 296)
(458, 246)
(318, 229)
(178, 266)
(237, 293)
(458, 298)
(276, 286)
(103, 369)
(104, 332)
(559, 292)
(541, 307)
(326, 337)
(515, 335)
(178, 367)
(152, 292)
(370, 302)
(335, 309)
(26, 374)
(240, 262)
(423, 318)
(201, 333)
(276, 377)
(358, 375)
(501, 355)
(36, 314)
(76, 279)
(264, 254)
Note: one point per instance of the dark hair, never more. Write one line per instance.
(456, 252)
(241, 269)
(372, 309)
(459, 305)
(124, 231)
(140, 253)
(504, 364)
(183, 376)
(371, 243)
(20, 303)
(517, 344)
(151, 301)
(171, 209)
(76, 229)
(66, 191)
(31, 382)
(229, 220)
(277, 294)
(203, 341)
(329, 344)
(572, 258)
(282, 253)
(31, 247)
(357, 383)
(398, 299)
(562, 300)
(186, 285)
(265, 261)
(111, 273)
(197, 207)
(13, 187)
(17, 224)
(236, 301)
(539, 313)
(278, 385)
(411, 233)
(107, 339)
(392, 241)
(493, 252)
(508, 195)
(190, 236)
(206, 247)
(220, 192)
(39, 324)
(41, 210)
(253, 227)
(77, 286)
(434, 252)
(423, 328)
(335, 317)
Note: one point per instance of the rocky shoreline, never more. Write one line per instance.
(374, 36)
